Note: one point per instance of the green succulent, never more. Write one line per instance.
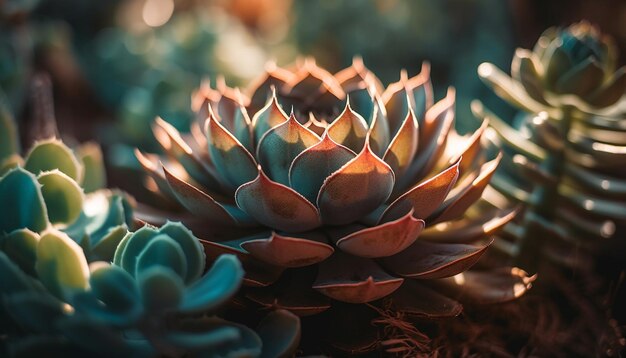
(565, 155)
(152, 301)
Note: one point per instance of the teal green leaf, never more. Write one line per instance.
(311, 167)
(22, 202)
(62, 195)
(209, 340)
(219, 284)
(131, 246)
(280, 145)
(53, 154)
(162, 251)
(21, 246)
(94, 176)
(191, 246)
(13, 278)
(104, 248)
(35, 311)
(10, 162)
(115, 287)
(280, 333)
(61, 264)
(161, 288)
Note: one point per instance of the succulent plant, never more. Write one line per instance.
(348, 181)
(564, 157)
(151, 301)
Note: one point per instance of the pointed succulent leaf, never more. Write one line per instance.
(424, 198)
(281, 145)
(418, 300)
(94, 176)
(62, 195)
(397, 99)
(53, 154)
(356, 189)
(456, 205)
(310, 168)
(113, 286)
(469, 230)
(349, 129)
(61, 265)
(427, 260)
(379, 129)
(280, 333)
(268, 117)
(276, 205)
(23, 204)
(162, 251)
(383, 240)
(289, 251)
(218, 285)
(161, 288)
(21, 246)
(403, 147)
(353, 279)
(231, 159)
(488, 287)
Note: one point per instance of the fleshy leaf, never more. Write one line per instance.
(353, 279)
(53, 154)
(403, 147)
(584, 78)
(218, 285)
(415, 299)
(62, 195)
(281, 145)
(356, 189)
(268, 117)
(280, 333)
(23, 205)
(383, 240)
(61, 265)
(349, 129)
(161, 288)
(310, 168)
(131, 246)
(94, 176)
(276, 205)
(162, 251)
(231, 159)
(424, 198)
(289, 251)
(21, 246)
(527, 69)
(114, 287)
(427, 260)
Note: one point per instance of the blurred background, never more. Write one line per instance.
(117, 64)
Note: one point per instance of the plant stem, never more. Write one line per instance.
(543, 201)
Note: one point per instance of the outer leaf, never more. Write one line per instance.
(90, 156)
(289, 251)
(23, 205)
(280, 333)
(62, 195)
(21, 246)
(276, 205)
(115, 287)
(52, 154)
(61, 264)
(161, 288)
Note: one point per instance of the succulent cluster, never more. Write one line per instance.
(77, 282)
(372, 185)
(564, 157)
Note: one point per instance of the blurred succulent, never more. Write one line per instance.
(348, 181)
(564, 158)
(152, 301)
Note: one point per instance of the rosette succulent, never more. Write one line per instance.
(372, 185)
(564, 156)
(152, 301)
